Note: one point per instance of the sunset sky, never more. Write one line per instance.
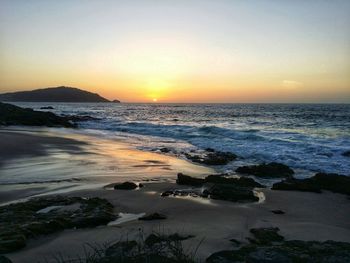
(180, 50)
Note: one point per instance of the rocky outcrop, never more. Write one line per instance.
(320, 181)
(268, 246)
(270, 170)
(13, 115)
(216, 179)
(212, 157)
(217, 187)
(46, 215)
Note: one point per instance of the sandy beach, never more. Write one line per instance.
(94, 163)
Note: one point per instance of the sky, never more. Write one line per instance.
(179, 51)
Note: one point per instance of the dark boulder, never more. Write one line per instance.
(188, 180)
(154, 216)
(242, 181)
(125, 186)
(320, 181)
(231, 193)
(270, 170)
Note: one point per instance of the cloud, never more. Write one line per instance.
(292, 84)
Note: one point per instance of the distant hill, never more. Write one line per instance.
(57, 94)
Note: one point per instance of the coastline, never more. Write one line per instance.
(307, 215)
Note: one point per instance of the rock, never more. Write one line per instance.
(320, 181)
(13, 115)
(188, 180)
(267, 255)
(270, 170)
(212, 158)
(216, 178)
(242, 181)
(346, 153)
(164, 150)
(76, 118)
(278, 212)
(125, 186)
(116, 101)
(269, 247)
(4, 259)
(47, 108)
(167, 193)
(231, 193)
(296, 185)
(266, 236)
(154, 216)
(235, 242)
(21, 221)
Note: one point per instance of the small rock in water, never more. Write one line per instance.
(278, 212)
(154, 216)
(125, 186)
(164, 150)
(346, 153)
(47, 108)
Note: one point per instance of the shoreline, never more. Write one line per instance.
(307, 215)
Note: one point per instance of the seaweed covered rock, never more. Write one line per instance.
(188, 180)
(219, 187)
(216, 178)
(46, 215)
(270, 170)
(242, 181)
(231, 193)
(269, 246)
(212, 157)
(320, 181)
(14, 115)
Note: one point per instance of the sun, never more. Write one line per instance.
(155, 100)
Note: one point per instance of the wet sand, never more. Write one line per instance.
(308, 216)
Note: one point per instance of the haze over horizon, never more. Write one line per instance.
(179, 51)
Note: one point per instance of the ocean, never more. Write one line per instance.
(308, 137)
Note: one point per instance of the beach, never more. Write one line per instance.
(77, 164)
